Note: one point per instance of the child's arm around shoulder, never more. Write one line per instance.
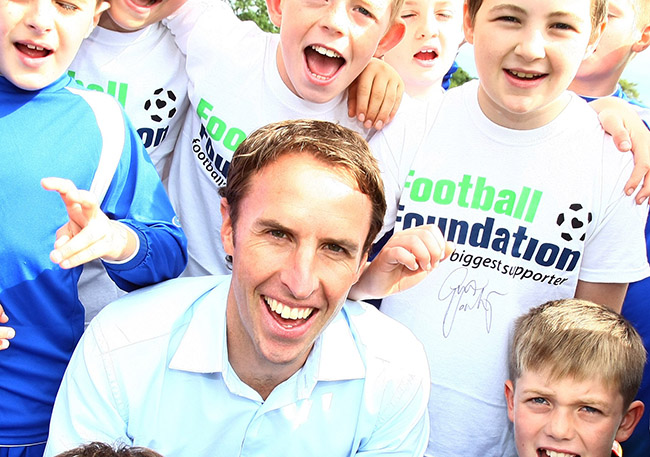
(376, 94)
(629, 132)
(406, 259)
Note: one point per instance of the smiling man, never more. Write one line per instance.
(272, 360)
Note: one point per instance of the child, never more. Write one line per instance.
(97, 449)
(51, 128)
(575, 368)
(256, 78)
(627, 33)
(532, 194)
(434, 32)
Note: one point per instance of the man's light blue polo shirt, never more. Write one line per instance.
(152, 370)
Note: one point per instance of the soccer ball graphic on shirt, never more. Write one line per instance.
(162, 106)
(574, 222)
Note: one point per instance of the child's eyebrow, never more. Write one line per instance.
(507, 7)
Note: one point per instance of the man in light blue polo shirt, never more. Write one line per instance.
(272, 360)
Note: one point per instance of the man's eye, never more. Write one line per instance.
(508, 19)
(335, 247)
(539, 400)
(277, 234)
(590, 410)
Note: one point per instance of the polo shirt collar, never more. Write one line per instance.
(202, 349)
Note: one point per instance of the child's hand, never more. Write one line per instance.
(89, 234)
(6, 333)
(630, 133)
(375, 95)
(405, 260)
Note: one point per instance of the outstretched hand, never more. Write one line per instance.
(406, 259)
(6, 333)
(89, 234)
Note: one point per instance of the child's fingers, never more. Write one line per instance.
(3, 316)
(89, 244)
(6, 333)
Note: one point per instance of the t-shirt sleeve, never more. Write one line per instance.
(615, 249)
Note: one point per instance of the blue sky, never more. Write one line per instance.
(637, 71)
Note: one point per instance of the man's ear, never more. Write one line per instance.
(101, 7)
(274, 9)
(227, 229)
(630, 419)
(509, 391)
(644, 40)
(393, 35)
(468, 26)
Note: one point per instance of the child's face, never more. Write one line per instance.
(615, 45)
(325, 44)
(131, 15)
(434, 31)
(41, 37)
(567, 417)
(527, 52)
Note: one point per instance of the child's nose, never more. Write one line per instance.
(532, 46)
(40, 16)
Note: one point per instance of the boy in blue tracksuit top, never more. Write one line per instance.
(52, 130)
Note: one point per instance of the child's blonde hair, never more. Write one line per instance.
(579, 339)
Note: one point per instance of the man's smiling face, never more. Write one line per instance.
(297, 247)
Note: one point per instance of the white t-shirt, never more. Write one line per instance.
(145, 72)
(235, 88)
(531, 212)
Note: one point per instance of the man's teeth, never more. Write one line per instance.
(524, 75)
(286, 312)
(326, 52)
(557, 454)
(37, 48)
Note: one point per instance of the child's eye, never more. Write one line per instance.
(408, 15)
(562, 26)
(508, 19)
(364, 11)
(539, 401)
(444, 14)
(67, 6)
(590, 410)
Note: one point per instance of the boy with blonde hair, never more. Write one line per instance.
(575, 368)
(532, 193)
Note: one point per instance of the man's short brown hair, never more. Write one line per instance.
(581, 340)
(333, 144)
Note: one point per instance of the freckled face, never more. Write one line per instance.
(297, 249)
(40, 38)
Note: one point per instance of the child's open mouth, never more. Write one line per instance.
(33, 51)
(429, 55)
(548, 453)
(145, 3)
(323, 63)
